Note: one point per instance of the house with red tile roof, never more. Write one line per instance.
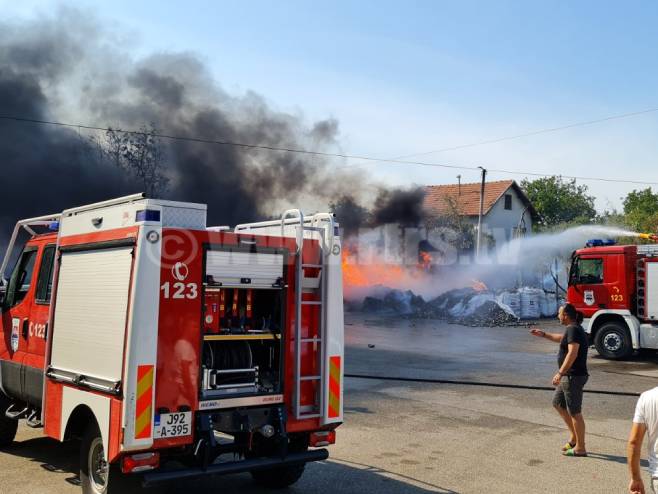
(507, 211)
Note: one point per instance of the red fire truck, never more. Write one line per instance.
(615, 287)
(133, 326)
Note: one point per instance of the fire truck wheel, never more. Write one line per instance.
(8, 427)
(282, 477)
(278, 478)
(96, 475)
(613, 342)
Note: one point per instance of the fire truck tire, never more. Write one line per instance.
(8, 427)
(96, 476)
(278, 478)
(282, 477)
(613, 341)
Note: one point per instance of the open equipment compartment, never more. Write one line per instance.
(243, 320)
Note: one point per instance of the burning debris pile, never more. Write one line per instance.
(471, 306)
(396, 301)
(467, 306)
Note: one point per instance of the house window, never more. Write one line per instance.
(508, 202)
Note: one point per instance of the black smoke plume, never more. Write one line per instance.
(400, 206)
(68, 67)
(403, 206)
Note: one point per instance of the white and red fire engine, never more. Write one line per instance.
(615, 287)
(152, 337)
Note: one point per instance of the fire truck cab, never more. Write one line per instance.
(133, 326)
(615, 287)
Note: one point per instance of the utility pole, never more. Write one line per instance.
(479, 237)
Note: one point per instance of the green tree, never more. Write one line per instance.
(560, 201)
(641, 210)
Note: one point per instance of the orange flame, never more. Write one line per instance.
(425, 262)
(479, 286)
(364, 275)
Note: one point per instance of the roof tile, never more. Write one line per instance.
(466, 198)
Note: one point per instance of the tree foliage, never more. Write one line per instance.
(560, 201)
(140, 154)
(462, 232)
(641, 210)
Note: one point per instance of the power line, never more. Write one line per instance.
(531, 133)
(573, 177)
(326, 154)
(229, 143)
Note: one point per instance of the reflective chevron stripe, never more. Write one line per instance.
(144, 407)
(334, 387)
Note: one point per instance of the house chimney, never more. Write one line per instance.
(459, 185)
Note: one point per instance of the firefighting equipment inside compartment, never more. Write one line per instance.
(242, 341)
(242, 310)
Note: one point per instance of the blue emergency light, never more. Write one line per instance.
(54, 226)
(599, 242)
(147, 215)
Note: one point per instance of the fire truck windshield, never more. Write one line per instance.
(586, 271)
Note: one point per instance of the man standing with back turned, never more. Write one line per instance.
(645, 421)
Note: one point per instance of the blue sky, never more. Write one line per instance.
(410, 77)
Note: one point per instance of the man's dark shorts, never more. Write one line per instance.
(569, 394)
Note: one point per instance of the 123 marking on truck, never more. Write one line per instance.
(38, 330)
(180, 290)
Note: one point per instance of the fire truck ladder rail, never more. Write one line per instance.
(46, 220)
(320, 225)
(27, 225)
(301, 287)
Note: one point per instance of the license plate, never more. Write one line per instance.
(172, 425)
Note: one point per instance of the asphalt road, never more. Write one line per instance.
(402, 437)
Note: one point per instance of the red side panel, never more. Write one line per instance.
(53, 410)
(180, 320)
(115, 430)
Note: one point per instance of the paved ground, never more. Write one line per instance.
(418, 438)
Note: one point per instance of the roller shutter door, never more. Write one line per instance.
(90, 312)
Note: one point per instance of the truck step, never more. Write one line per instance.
(15, 414)
(34, 420)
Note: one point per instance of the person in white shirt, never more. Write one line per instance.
(645, 422)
